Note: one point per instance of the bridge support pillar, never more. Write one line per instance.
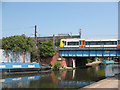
(74, 62)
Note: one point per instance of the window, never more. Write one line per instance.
(73, 43)
(110, 42)
(65, 43)
(87, 43)
(101, 43)
(114, 42)
(80, 42)
(118, 41)
(83, 42)
(92, 43)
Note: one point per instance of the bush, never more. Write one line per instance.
(95, 58)
(51, 65)
(88, 61)
(57, 66)
(63, 67)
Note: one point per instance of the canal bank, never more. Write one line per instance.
(110, 82)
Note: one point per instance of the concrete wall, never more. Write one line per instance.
(10, 56)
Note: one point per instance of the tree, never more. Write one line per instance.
(18, 43)
(46, 49)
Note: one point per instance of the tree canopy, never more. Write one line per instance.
(17, 43)
(46, 49)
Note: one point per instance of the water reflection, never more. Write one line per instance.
(111, 70)
(60, 79)
(18, 82)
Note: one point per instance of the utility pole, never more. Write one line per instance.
(80, 33)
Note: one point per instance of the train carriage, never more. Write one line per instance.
(89, 43)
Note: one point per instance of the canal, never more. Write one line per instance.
(60, 79)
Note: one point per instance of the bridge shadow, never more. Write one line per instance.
(81, 62)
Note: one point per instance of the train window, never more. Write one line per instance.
(102, 42)
(73, 43)
(77, 43)
(110, 43)
(87, 43)
(107, 43)
(118, 41)
(83, 42)
(93, 43)
(80, 42)
(114, 42)
(64, 42)
(99, 43)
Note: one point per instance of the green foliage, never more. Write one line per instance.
(94, 58)
(63, 67)
(57, 66)
(91, 59)
(18, 43)
(34, 55)
(75, 36)
(51, 65)
(46, 49)
(106, 58)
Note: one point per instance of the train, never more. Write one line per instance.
(89, 43)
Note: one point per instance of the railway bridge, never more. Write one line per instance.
(76, 53)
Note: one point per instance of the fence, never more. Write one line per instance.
(13, 57)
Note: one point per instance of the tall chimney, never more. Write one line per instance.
(80, 33)
(35, 31)
(36, 36)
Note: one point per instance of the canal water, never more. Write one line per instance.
(60, 79)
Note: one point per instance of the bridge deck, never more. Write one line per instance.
(86, 52)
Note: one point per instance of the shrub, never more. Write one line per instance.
(51, 65)
(57, 66)
(63, 67)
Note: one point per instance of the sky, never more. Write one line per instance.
(96, 19)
